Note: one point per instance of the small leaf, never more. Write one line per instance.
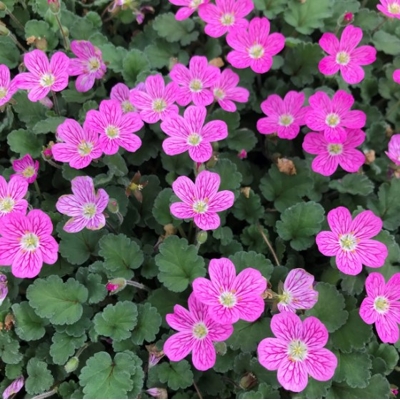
(135, 62)
(161, 209)
(64, 346)
(389, 44)
(176, 375)
(251, 259)
(9, 53)
(24, 142)
(353, 184)
(148, 324)
(29, 112)
(248, 208)
(230, 177)
(39, 377)
(92, 282)
(349, 371)
(28, 326)
(264, 391)
(9, 348)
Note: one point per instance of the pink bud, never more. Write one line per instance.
(394, 391)
(242, 154)
(158, 393)
(348, 17)
(48, 153)
(111, 287)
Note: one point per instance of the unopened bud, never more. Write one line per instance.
(3, 288)
(220, 348)
(155, 355)
(65, 31)
(369, 156)
(3, 7)
(54, 6)
(217, 62)
(172, 62)
(245, 191)
(47, 153)
(158, 393)
(41, 44)
(248, 381)
(242, 154)
(71, 365)
(389, 131)
(3, 30)
(286, 166)
(202, 237)
(169, 230)
(212, 161)
(348, 17)
(116, 285)
(113, 206)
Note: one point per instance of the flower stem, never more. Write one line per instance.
(269, 245)
(47, 394)
(82, 349)
(379, 26)
(197, 390)
(37, 188)
(56, 103)
(66, 44)
(15, 40)
(15, 19)
(138, 285)
(182, 232)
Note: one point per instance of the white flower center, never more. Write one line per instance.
(381, 305)
(256, 51)
(285, 298)
(219, 93)
(333, 120)
(93, 64)
(297, 350)
(3, 92)
(228, 299)
(195, 3)
(348, 242)
(159, 105)
(28, 172)
(89, 210)
(394, 8)
(286, 120)
(112, 131)
(85, 148)
(6, 205)
(334, 149)
(343, 58)
(127, 106)
(195, 85)
(200, 206)
(47, 80)
(29, 242)
(228, 19)
(200, 330)
(194, 139)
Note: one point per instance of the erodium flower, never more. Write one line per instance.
(333, 116)
(194, 82)
(382, 306)
(201, 200)
(115, 128)
(26, 243)
(156, 101)
(188, 133)
(230, 297)
(225, 15)
(345, 56)
(391, 8)
(12, 195)
(43, 76)
(89, 65)
(350, 241)
(85, 206)
(330, 155)
(297, 292)
(14, 387)
(120, 92)
(79, 145)
(396, 76)
(7, 86)
(394, 149)
(188, 7)
(253, 46)
(26, 167)
(297, 351)
(226, 90)
(3, 288)
(284, 116)
(196, 333)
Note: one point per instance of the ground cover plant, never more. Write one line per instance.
(199, 199)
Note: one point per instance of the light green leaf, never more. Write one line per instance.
(387, 353)
(114, 56)
(349, 371)
(39, 377)
(270, 8)
(315, 389)
(148, 324)
(64, 346)
(161, 211)
(160, 53)
(386, 42)
(41, 30)
(353, 184)
(135, 62)
(28, 326)
(176, 375)
(24, 142)
(116, 164)
(251, 259)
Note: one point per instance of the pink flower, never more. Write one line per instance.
(194, 82)
(26, 243)
(88, 66)
(115, 128)
(188, 7)
(391, 8)
(7, 87)
(330, 155)
(3, 288)
(188, 133)
(344, 56)
(225, 91)
(225, 15)
(201, 200)
(382, 306)
(43, 76)
(120, 92)
(230, 297)
(333, 116)
(196, 333)
(84, 205)
(26, 167)
(394, 149)
(79, 147)
(350, 241)
(253, 46)
(14, 387)
(12, 195)
(284, 117)
(157, 101)
(298, 292)
(297, 351)
(396, 76)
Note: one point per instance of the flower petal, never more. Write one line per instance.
(178, 346)
(203, 354)
(286, 326)
(271, 353)
(329, 43)
(315, 334)
(339, 220)
(372, 253)
(293, 375)
(321, 364)
(367, 311)
(181, 319)
(184, 188)
(328, 243)
(366, 225)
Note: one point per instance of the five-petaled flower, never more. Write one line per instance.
(26, 167)
(12, 195)
(391, 8)
(382, 306)
(230, 297)
(394, 149)
(201, 200)
(297, 351)
(188, 7)
(7, 86)
(350, 241)
(85, 206)
(197, 332)
(26, 243)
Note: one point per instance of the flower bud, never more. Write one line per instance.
(158, 393)
(220, 348)
(3, 30)
(65, 30)
(41, 44)
(348, 17)
(113, 206)
(54, 6)
(248, 381)
(14, 387)
(3, 288)
(3, 7)
(116, 285)
(369, 156)
(242, 154)
(71, 365)
(202, 237)
(155, 355)
(286, 166)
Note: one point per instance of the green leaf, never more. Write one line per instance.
(24, 142)
(160, 53)
(264, 391)
(92, 282)
(28, 326)
(349, 371)
(135, 62)
(329, 307)
(353, 184)
(29, 112)
(116, 164)
(241, 139)
(161, 210)
(114, 56)
(386, 42)
(387, 353)
(39, 377)
(315, 389)
(9, 53)
(64, 346)
(270, 8)
(251, 259)
(299, 223)
(230, 177)
(176, 375)
(148, 324)
(224, 234)
(41, 30)
(248, 208)
(60, 302)
(116, 321)
(9, 348)
(179, 264)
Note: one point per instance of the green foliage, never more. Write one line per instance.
(23, 142)
(353, 184)
(148, 324)
(28, 325)
(177, 375)
(63, 347)
(39, 377)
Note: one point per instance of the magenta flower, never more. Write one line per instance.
(225, 15)
(43, 76)
(196, 333)
(7, 86)
(230, 297)
(226, 91)
(12, 195)
(344, 56)
(298, 292)
(115, 128)
(120, 92)
(194, 82)
(84, 206)
(14, 387)
(350, 241)
(331, 155)
(333, 116)
(26, 243)
(394, 149)
(3, 288)
(201, 200)
(253, 46)
(88, 66)
(284, 116)
(396, 76)
(157, 101)
(26, 167)
(188, 7)
(391, 8)
(382, 307)
(79, 146)
(297, 351)
(188, 133)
